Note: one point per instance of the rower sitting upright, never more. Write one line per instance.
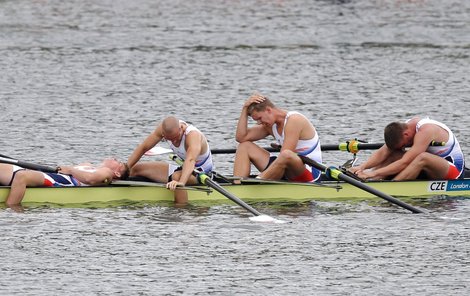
(292, 130)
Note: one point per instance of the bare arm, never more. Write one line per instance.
(153, 139)
(102, 176)
(377, 158)
(420, 144)
(254, 133)
(193, 149)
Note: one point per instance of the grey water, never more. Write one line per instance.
(83, 80)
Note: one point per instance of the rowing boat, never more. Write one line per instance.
(253, 190)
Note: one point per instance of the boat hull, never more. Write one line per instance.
(249, 191)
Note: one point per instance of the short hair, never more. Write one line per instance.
(393, 134)
(260, 106)
(170, 124)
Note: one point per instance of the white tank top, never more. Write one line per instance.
(204, 160)
(451, 151)
(310, 148)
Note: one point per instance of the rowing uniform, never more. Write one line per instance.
(451, 151)
(310, 148)
(60, 180)
(63, 180)
(15, 169)
(203, 161)
(55, 179)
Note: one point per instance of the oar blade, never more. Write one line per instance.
(206, 180)
(157, 150)
(267, 219)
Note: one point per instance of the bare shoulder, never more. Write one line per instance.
(194, 134)
(428, 130)
(298, 117)
(300, 120)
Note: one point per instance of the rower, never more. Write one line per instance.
(292, 130)
(423, 160)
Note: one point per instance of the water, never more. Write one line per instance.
(82, 80)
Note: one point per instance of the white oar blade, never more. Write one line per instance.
(266, 219)
(158, 151)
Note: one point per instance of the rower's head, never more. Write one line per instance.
(171, 129)
(119, 168)
(398, 135)
(262, 112)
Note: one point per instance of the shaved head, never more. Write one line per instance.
(170, 124)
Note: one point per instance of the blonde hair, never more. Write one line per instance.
(260, 106)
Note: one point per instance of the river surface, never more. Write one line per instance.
(83, 80)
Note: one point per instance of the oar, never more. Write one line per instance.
(350, 146)
(338, 175)
(28, 165)
(206, 180)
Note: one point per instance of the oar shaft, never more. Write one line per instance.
(27, 165)
(349, 146)
(378, 193)
(328, 147)
(337, 174)
(207, 181)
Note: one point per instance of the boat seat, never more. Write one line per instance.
(466, 173)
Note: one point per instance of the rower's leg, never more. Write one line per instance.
(288, 164)
(248, 153)
(434, 166)
(6, 172)
(23, 179)
(181, 196)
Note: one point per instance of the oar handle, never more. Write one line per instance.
(338, 175)
(28, 165)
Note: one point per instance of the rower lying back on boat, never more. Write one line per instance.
(249, 190)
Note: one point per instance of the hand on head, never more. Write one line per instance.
(254, 98)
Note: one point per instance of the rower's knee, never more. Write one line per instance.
(17, 188)
(423, 158)
(244, 147)
(176, 176)
(21, 178)
(286, 156)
